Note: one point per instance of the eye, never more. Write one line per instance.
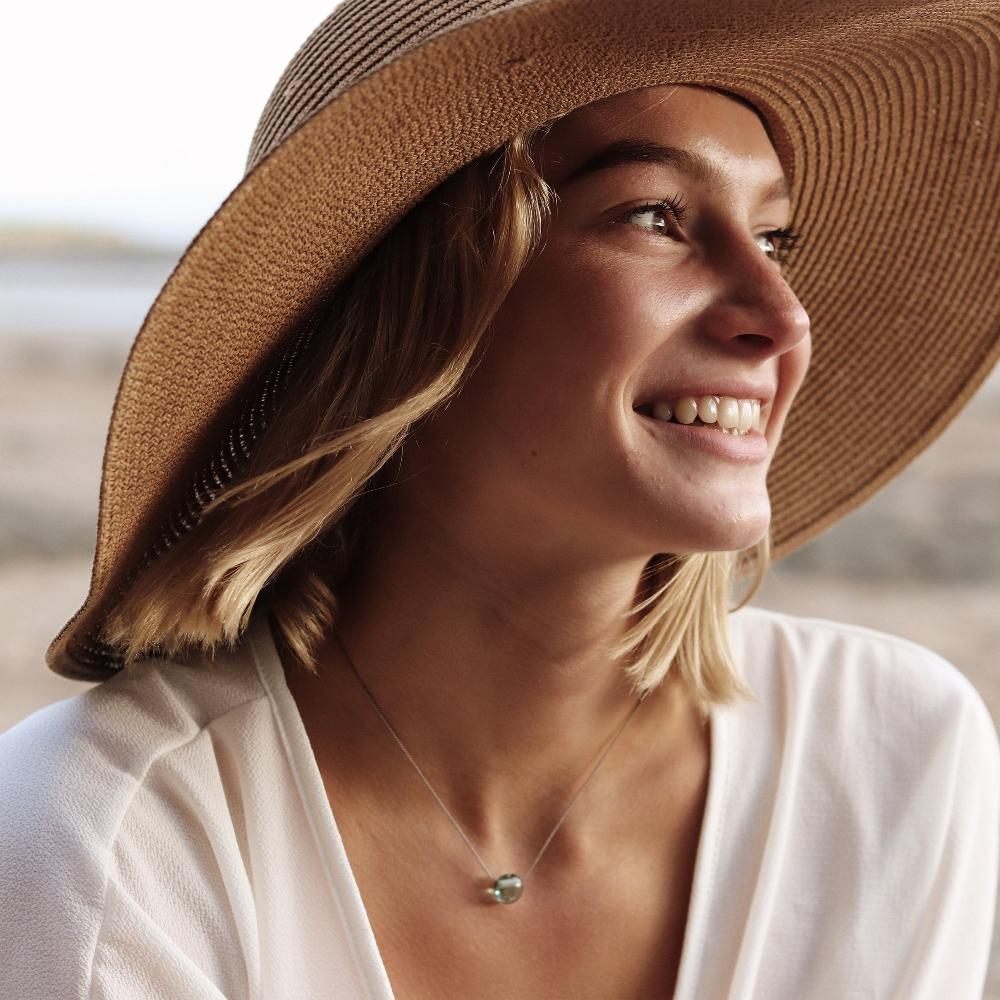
(783, 242)
(674, 207)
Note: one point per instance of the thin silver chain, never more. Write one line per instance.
(409, 757)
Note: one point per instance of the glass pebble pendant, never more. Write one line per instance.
(507, 889)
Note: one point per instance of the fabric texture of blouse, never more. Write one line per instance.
(167, 834)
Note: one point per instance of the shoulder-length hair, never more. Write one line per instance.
(398, 339)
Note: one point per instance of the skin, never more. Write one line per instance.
(511, 545)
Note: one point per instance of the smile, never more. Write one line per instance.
(736, 417)
(749, 447)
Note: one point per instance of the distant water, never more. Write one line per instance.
(99, 301)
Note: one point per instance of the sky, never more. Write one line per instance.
(137, 117)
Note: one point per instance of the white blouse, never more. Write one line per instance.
(167, 834)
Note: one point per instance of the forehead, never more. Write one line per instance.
(717, 139)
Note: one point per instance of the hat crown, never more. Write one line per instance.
(357, 39)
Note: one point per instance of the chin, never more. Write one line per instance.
(720, 535)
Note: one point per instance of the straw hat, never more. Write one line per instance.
(883, 114)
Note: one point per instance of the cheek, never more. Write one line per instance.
(588, 319)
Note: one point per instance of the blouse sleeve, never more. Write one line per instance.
(86, 875)
(51, 867)
(950, 954)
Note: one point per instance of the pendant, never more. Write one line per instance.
(507, 889)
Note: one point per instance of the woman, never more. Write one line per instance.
(469, 540)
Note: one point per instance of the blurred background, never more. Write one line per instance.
(129, 125)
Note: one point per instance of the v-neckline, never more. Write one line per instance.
(340, 875)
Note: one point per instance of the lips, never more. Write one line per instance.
(748, 448)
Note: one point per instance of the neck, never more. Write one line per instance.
(495, 674)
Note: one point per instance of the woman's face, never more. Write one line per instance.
(623, 307)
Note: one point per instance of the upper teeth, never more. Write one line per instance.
(735, 415)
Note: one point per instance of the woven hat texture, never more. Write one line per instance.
(885, 118)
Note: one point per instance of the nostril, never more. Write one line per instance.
(755, 339)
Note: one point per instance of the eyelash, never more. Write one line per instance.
(785, 239)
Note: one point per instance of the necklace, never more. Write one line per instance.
(507, 888)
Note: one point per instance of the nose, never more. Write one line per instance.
(757, 311)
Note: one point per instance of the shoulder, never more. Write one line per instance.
(888, 728)
(76, 764)
(851, 670)
(80, 781)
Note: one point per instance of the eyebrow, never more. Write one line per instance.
(696, 166)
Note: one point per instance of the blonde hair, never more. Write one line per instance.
(396, 342)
